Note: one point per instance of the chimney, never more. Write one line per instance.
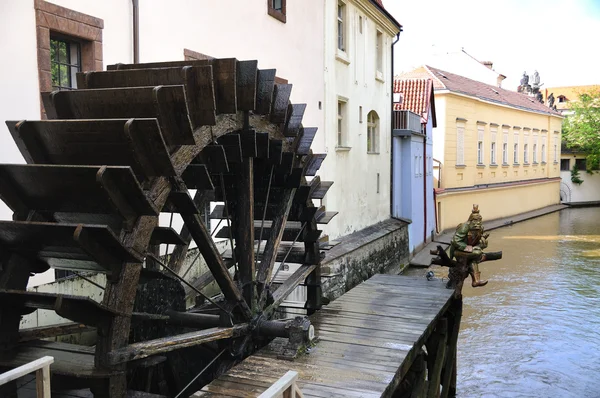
(488, 64)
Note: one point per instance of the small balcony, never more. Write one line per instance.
(406, 123)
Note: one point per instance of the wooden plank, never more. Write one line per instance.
(249, 145)
(76, 308)
(264, 92)
(172, 111)
(48, 240)
(95, 142)
(224, 72)
(154, 65)
(291, 231)
(166, 344)
(232, 144)
(196, 176)
(247, 74)
(166, 235)
(307, 137)
(275, 151)
(42, 332)
(321, 190)
(200, 92)
(294, 119)
(314, 163)
(23, 370)
(281, 99)
(215, 158)
(42, 381)
(78, 189)
(262, 145)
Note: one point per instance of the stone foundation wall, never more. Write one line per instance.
(379, 249)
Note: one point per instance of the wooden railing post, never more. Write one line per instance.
(41, 367)
(284, 387)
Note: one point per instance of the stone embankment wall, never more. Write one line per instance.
(380, 248)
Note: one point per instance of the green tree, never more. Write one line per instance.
(581, 129)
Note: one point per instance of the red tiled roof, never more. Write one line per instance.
(459, 84)
(416, 95)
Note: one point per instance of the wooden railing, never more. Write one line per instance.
(41, 367)
(285, 387)
(407, 120)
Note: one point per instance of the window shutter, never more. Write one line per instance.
(460, 144)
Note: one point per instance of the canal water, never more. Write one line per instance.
(534, 330)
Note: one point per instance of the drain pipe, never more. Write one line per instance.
(392, 130)
(136, 31)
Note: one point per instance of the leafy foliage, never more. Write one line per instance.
(575, 179)
(581, 129)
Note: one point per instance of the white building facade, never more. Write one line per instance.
(359, 36)
(300, 39)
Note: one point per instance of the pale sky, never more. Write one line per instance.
(559, 38)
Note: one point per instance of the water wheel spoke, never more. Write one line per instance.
(267, 263)
(243, 223)
(211, 255)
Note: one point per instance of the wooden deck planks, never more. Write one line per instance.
(365, 338)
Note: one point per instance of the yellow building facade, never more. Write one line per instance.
(497, 148)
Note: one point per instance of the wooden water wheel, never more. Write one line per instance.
(130, 143)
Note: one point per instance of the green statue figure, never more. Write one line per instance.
(468, 242)
(465, 253)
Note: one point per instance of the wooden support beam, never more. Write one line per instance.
(148, 348)
(438, 356)
(288, 286)
(211, 255)
(44, 332)
(243, 220)
(454, 317)
(267, 263)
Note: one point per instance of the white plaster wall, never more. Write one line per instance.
(588, 191)
(19, 98)
(355, 192)
(439, 136)
(18, 76)
(244, 30)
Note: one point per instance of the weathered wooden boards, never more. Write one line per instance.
(368, 339)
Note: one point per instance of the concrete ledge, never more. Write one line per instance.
(380, 248)
(423, 258)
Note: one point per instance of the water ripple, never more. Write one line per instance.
(534, 330)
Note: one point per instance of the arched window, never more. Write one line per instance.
(372, 132)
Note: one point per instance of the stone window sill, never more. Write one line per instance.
(342, 56)
(460, 166)
(340, 148)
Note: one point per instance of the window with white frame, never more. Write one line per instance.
(493, 134)
(525, 149)
(372, 132)
(535, 146)
(480, 132)
(516, 149)
(341, 137)
(379, 44)
(341, 28)
(543, 149)
(505, 146)
(460, 144)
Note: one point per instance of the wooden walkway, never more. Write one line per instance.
(367, 341)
